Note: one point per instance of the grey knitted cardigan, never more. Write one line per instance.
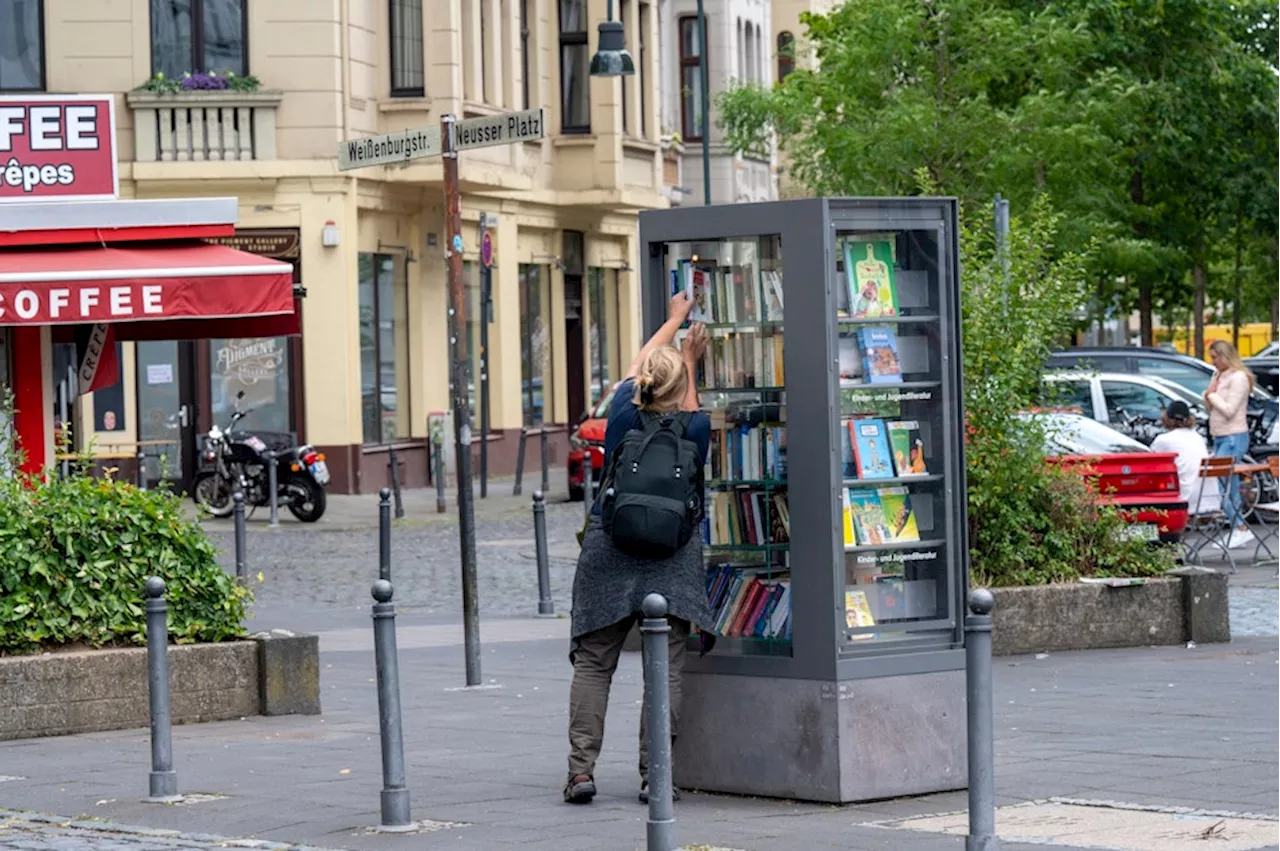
(610, 584)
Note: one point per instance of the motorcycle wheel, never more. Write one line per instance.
(307, 500)
(212, 493)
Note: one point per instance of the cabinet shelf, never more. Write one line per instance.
(891, 320)
(902, 545)
(896, 480)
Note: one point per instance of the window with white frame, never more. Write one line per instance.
(786, 54)
(407, 79)
(575, 61)
(691, 64)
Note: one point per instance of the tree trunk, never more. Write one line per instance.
(1239, 295)
(1144, 314)
(1197, 309)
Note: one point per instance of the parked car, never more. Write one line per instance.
(1266, 367)
(587, 442)
(1141, 484)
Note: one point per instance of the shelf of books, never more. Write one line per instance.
(736, 286)
(893, 476)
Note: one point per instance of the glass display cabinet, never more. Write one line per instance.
(834, 531)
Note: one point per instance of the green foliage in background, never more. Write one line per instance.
(74, 555)
(1030, 522)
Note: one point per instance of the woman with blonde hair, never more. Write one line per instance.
(1227, 398)
(610, 582)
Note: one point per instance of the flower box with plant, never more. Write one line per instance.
(201, 81)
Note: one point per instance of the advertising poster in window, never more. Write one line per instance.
(257, 367)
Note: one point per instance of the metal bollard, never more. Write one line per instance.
(242, 570)
(395, 794)
(524, 435)
(163, 783)
(546, 608)
(273, 480)
(142, 470)
(542, 439)
(982, 781)
(588, 484)
(654, 631)
(395, 481)
(384, 534)
(439, 476)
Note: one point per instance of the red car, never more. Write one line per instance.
(1141, 483)
(587, 441)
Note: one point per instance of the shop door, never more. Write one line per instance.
(574, 350)
(166, 411)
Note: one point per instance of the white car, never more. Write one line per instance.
(1115, 399)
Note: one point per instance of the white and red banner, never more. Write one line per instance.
(98, 366)
(110, 285)
(57, 147)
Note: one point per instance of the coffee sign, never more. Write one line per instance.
(57, 148)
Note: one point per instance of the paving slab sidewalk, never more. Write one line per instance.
(1144, 728)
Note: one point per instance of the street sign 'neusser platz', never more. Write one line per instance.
(500, 129)
(416, 144)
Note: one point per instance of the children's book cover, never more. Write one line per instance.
(871, 449)
(880, 355)
(869, 272)
(908, 448)
(900, 520)
(846, 514)
(850, 465)
(850, 358)
(869, 527)
(697, 287)
(857, 613)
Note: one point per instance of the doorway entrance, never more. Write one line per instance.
(166, 411)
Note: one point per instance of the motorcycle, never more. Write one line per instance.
(234, 461)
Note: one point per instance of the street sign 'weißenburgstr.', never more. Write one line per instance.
(389, 148)
(500, 129)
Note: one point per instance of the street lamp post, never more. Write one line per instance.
(706, 108)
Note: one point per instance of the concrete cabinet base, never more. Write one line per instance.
(811, 740)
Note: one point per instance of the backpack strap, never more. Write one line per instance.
(653, 424)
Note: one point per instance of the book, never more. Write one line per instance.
(850, 357)
(772, 295)
(871, 449)
(746, 601)
(880, 364)
(849, 469)
(900, 520)
(869, 272)
(698, 288)
(857, 613)
(908, 448)
(867, 516)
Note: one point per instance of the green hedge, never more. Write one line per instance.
(74, 555)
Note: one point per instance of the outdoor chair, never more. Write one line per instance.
(1209, 527)
(1268, 516)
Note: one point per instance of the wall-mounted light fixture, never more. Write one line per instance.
(330, 236)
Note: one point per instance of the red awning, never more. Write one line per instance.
(192, 282)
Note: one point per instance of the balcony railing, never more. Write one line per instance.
(204, 126)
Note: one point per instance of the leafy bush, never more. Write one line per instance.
(74, 555)
(1029, 522)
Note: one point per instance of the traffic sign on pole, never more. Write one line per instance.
(389, 148)
(486, 249)
(505, 129)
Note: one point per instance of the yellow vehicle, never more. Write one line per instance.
(1254, 337)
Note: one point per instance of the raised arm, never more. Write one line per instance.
(694, 345)
(677, 312)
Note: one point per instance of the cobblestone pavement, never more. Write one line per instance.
(34, 832)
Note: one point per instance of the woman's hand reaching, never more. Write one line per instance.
(679, 307)
(695, 343)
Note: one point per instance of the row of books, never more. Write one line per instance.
(745, 602)
(746, 517)
(741, 359)
(728, 294)
(876, 450)
(868, 269)
(870, 355)
(878, 516)
(745, 451)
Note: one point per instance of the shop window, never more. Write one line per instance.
(535, 342)
(786, 55)
(575, 60)
(691, 110)
(260, 368)
(21, 45)
(602, 330)
(384, 347)
(407, 79)
(198, 36)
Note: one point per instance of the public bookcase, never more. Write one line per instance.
(835, 531)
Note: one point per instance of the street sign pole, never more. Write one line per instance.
(458, 375)
(447, 140)
(486, 302)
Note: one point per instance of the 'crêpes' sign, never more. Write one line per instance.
(57, 148)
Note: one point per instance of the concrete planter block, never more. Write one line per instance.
(288, 673)
(1079, 616)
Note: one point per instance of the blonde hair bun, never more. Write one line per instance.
(661, 380)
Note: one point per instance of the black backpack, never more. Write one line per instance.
(653, 491)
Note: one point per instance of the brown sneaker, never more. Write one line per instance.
(580, 789)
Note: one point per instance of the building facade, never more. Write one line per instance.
(741, 49)
(370, 367)
(791, 51)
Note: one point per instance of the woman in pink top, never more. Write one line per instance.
(1227, 398)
